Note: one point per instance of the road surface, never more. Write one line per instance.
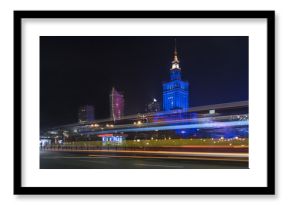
(140, 160)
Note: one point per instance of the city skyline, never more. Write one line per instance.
(80, 70)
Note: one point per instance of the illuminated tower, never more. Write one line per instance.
(117, 104)
(175, 92)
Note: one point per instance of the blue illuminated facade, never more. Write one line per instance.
(175, 92)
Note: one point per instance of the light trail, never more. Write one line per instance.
(137, 116)
(217, 119)
(168, 153)
(152, 157)
(208, 147)
(175, 127)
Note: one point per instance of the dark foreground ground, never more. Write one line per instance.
(132, 160)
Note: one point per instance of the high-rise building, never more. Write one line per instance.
(175, 92)
(117, 104)
(153, 106)
(86, 113)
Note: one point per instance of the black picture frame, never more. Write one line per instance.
(269, 189)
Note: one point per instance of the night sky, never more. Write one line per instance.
(76, 71)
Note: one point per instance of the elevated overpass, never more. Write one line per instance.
(209, 117)
(198, 109)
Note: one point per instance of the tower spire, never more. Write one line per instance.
(175, 50)
(175, 62)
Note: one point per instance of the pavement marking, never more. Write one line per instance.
(98, 156)
(156, 165)
(97, 162)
